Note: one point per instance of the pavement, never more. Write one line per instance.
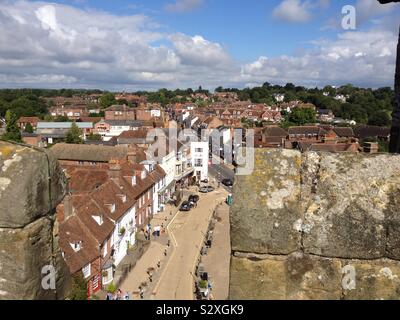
(150, 259)
(217, 260)
(174, 277)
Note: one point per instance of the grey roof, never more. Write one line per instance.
(83, 152)
(63, 125)
(122, 123)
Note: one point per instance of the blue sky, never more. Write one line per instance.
(183, 42)
(246, 28)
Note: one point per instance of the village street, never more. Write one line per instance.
(174, 278)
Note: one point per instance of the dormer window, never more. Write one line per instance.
(134, 181)
(98, 219)
(122, 197)
(143, 174)
(76, 246)
(111, 207)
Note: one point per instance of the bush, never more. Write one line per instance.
(203, 284)
(111, 288)
(78, 288)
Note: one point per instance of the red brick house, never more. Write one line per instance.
(120, 112)
(23, 121)
(272, 116)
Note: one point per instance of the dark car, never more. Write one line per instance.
(194, 198)
(185, 206)
(227, 182)
(206, 189)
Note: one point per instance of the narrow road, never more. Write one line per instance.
(221, 172)
(188, 230)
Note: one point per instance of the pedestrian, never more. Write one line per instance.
(168, 243)
(151, 278)
(158, 264)
(127, 297)
(165, 252)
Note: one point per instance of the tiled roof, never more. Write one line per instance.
(344, 131)
(73, 231)
(363, 132)
(83, 152)
(306, 130)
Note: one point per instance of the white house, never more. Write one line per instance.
(124, 234)
(200, 152)
(113, 128)
(279, 97)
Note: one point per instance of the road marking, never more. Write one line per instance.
(170, 232)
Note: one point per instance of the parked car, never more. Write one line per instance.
(194, 198)
(185, 206)
(227, 182)
(206, 189)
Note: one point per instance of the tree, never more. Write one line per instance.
(107, 100)
(302, 116)
(12, 131)
(380, 118)
(78, 288)
(74, 135)
(28, 128)
(94, 137)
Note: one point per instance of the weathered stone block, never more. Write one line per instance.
(295, 276)
(347, 214)
(267, 204)
(31, 186)
(375, 280)
(25, 192)
(299, 219)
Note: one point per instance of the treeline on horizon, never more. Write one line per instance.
(364, 105)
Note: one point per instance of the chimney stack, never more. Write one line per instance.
(114, 169)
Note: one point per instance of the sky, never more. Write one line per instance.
(129, 45)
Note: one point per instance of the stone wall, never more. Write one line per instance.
(317, 226)
(31, 186)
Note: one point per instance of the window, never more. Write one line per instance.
(198, 162)
(76, 246)
(200, 150)
(105, 249)
(98, 219)
(96, 282)
(86, 271)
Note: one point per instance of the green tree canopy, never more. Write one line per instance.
(12, 131)
(74, 135)
(28, 128)
(302, 116)
(78, 288)
(107, 100)
(380, 118)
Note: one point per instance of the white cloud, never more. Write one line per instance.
(53, 45)
(199, 51)
(298, 11)
(367, 9)
(183, 5)
(364, 58)
(293, 11)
